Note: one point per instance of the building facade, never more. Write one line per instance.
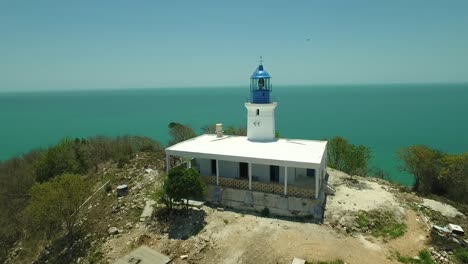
(287, 176)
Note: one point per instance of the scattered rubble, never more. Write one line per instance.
(440, 256)
(113, 231)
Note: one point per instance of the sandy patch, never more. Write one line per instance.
(368, 244)
(365, 195)
(444, 209)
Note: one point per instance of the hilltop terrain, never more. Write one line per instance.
(113, 226)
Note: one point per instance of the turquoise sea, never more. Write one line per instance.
(384, 117)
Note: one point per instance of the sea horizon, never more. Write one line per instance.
(239, 86)
(384, 117)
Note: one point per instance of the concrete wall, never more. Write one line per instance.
(276, 204)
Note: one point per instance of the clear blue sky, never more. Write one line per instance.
(65, 45)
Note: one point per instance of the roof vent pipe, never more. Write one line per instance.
(219, 130)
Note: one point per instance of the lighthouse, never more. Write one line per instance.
(259, 171)
(260, 108)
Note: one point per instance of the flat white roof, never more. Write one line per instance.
(282, 152)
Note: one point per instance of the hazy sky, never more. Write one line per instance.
(64, 45)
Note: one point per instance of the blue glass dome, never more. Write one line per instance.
(260, 73)
(260, 87)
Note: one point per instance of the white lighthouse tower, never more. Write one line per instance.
(260, 108)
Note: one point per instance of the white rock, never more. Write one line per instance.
(113, 231)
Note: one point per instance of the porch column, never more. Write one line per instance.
(285, 180)
(250, 176)
(316, 185)
(168, 163)
(217, 172)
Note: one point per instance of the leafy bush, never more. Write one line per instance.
(347, 157)
(181, 184)
(56, 202)
(462, 254)
(67, 156)
(179, 133)
(16, 178)
(436, 172)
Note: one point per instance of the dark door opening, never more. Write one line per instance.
(310, 172)
(243, 170)
(213, 167)
(274, 173)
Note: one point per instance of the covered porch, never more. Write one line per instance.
(260, 186)
(276, 179)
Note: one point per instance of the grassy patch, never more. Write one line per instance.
(462, 255)
(380, 223)
(362, 220)
(96, 257)
(424, 258)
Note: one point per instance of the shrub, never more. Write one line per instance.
(347, 157)
(181, 184)
(56, 202)
(462, 255)
(436, 172)
(381, 223)
(67, 156)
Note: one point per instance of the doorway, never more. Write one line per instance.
(213, 167)
(274, 173)
(243, 170)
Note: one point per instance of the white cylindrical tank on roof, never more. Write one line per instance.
(219, 130)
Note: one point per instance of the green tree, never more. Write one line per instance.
(66, 157)
(337, 148)
(347, 157)
(182, 184)
(454, 174)
(179, 133)
(56, 203)
(16, 178)
(425, 164)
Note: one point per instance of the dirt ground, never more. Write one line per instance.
(236, 237)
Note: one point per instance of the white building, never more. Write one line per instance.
(259, 171)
